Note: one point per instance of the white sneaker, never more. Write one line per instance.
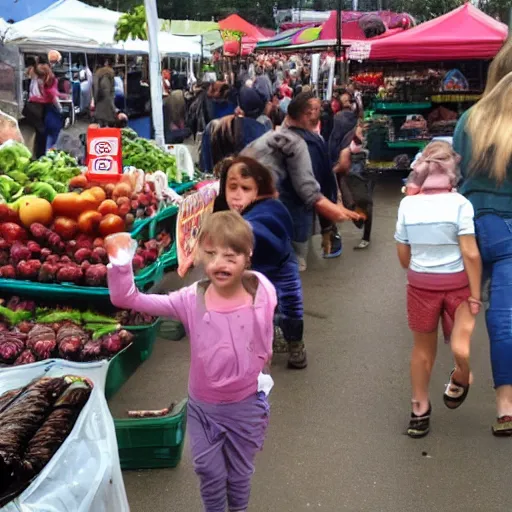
(363, 244)
(302, 264)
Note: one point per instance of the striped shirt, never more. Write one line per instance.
(431, 225)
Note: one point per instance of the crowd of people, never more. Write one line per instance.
(453, 232)
(287, 161)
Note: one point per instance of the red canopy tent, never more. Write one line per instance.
(251, 35)
(462, 34)
(351, 30)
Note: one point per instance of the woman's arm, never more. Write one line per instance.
(333, 211)
(472, 264)
(344, 161)
(404, 254)
(124, 294)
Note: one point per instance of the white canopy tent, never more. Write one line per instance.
(71, 25)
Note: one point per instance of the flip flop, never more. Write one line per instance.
(454, 388)
(503, 427)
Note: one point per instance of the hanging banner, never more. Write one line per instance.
(189, 221)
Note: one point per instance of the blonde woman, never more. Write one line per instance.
(482, 138)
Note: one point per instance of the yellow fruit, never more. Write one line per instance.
(35, 210)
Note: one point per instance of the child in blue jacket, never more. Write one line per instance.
(248, 187)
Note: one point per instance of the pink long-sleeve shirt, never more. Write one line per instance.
(229, 349)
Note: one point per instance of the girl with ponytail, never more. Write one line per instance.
(436, 242)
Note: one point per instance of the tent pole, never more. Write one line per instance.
(125, 79)
(200, 74)
(155, 76)
(339, 21)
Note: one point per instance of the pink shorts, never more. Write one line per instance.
(425, 306)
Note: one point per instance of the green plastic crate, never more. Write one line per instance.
(144, 279)
(148, 443)
(180, 188)
(165, 219)
(123, 365)
(172, 330)
(170, 258)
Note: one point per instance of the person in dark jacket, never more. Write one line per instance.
(304, 118)
(344, 122)
(248, 187)
(229, 135)
(355, 182)
(104, 95)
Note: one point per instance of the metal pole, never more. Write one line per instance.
(200, 74)
(510, 22)
(339, 21)
(155, 77)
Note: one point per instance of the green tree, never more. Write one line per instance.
(423, 10)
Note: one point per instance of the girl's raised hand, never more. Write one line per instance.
(120, 248)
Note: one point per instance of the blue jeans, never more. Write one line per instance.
(494, 235)
(302, 217)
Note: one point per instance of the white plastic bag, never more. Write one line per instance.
(84, 475)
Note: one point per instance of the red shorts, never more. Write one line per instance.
(425, 307)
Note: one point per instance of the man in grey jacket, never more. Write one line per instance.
(286, 154)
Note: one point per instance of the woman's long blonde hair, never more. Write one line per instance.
(499, 67)
(490, 129)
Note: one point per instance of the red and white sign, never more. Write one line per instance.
(104, 154)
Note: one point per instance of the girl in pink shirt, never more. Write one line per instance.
(229, 321)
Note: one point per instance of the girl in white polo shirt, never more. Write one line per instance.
(436, 242)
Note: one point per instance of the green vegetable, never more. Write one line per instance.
(19, 177)
(40, 169)
(146, 155)
(95, 318)
(59, 187)
(14, 317)
(9, 188)
(14, 157)
(42, 189)
(109, 329)
(60, 316)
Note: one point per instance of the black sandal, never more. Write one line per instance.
(419, 426)
(453, 402)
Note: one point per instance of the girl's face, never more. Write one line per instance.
(223, 266)
(240, 191)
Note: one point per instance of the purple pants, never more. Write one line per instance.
(224, 439)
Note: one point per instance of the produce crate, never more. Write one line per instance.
(170, 258)
(147, 443)
(144, 280)
(180, 188)
(164, 220)
(123, 365)
(172, 330)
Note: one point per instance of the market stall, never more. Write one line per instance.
(240, 36)
(73, 27)
(56, 319)
(416, 84)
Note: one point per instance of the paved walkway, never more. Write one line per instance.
(336, 440)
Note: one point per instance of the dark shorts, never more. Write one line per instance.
(426, 307)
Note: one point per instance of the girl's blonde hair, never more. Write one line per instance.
(227, 229)
(438, 158)
(490, 129)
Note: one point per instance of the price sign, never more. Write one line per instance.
(104, 154)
